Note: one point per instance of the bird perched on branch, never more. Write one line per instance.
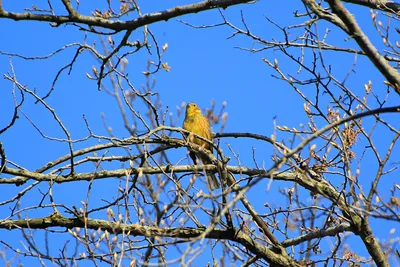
(196, 123)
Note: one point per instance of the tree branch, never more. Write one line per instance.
(331, 231)
(354, 30)
(383, 5)
(57, 220)
(119, 25)
(24, 175)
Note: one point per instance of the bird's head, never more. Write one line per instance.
(192, 109)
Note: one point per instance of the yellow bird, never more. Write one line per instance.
(196, 123)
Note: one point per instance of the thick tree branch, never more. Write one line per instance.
(69, 8)
(324, 14)
(24, 175)
(119, 25)
(354, 30)
(57, 220)
(383, 5)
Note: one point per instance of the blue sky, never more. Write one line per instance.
(205, 66)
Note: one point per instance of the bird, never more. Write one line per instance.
(195, 122)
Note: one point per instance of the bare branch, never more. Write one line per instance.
(354, 30)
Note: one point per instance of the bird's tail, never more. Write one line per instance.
(212, 181)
